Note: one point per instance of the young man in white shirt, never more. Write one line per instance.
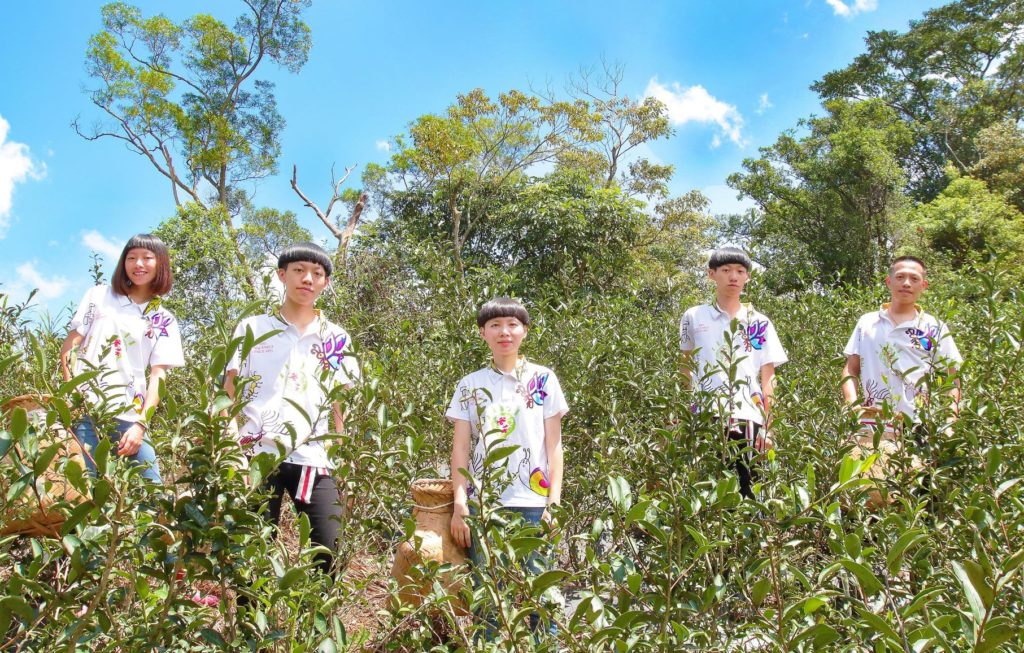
(713, 337)
(892, 350)
(297, 368)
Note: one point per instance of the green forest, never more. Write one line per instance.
(918, 149)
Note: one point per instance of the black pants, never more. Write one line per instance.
(744, 434)
(324, 509)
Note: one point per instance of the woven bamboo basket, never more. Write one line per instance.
(34, 513)
(433, 501)
(889, 446)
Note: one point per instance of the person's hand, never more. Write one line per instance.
(764, 441)
(131, 441)
(460, 529)
(549, 519)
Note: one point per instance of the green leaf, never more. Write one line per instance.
(42, 463)
(972, 580)
(497, 454)
(291, 577)
(881, 625)
(619, 492)
(909, 538)
(995, 634)
(548, 579)
(19, 423)
(213, 637)
(865, 578)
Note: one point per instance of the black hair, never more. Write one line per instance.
(305, 253)
(907, 258)
(502, 307)
(163, 280)
(729, 256)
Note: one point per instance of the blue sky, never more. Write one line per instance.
(734, 75)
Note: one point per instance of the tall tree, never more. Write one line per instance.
(954, 72)
(834, 193)
(465, 157)
(185, 97)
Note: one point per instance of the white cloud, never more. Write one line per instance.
(763, 104)
(852, 8)
(97, 242)
(383, 145)
(695, 104)
(49, 288)
(16, 166)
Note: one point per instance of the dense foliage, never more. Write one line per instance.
(545, 198)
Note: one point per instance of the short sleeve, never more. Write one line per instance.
(167, 348)
(774, 353)
(853, 344)
(947, 347)
(554, 403)
(686, 342)
(459, 407)
(235, 364)
(82, 319)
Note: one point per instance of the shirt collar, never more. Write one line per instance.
(151, 305)
(884, 312)
(316, 326)
(746, 309)
(516, 373)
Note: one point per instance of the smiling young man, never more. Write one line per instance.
(287, 379)
(709, 340)
(894, 348)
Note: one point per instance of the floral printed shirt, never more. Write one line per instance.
(123, 338)
(511, 406)
(286, 372)
(705, 329)
(895, 357)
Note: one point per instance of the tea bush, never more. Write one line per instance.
(655, 550)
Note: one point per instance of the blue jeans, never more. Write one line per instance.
(145, 457)
(535, 563)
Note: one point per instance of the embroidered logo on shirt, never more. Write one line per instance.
(158, 324)
(538, 482)
(331, 354)
(755, 335)
(921, 339)
(534, 392)
(501, 419)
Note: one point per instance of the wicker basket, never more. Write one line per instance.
(433, 501)
(33, 513)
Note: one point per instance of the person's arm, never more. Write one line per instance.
(556, 461)
(70, 344)
(764, 439)
(851, 378)
(460, 460)
(131, 441)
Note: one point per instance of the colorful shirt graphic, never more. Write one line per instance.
(895, 358)
(511, 408)
(121, 339)
(754, 343)
(285, 381)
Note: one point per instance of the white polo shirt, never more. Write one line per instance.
(705, 329)
(123, 338)
(895, 357)
(511, 406)
(292, 367)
